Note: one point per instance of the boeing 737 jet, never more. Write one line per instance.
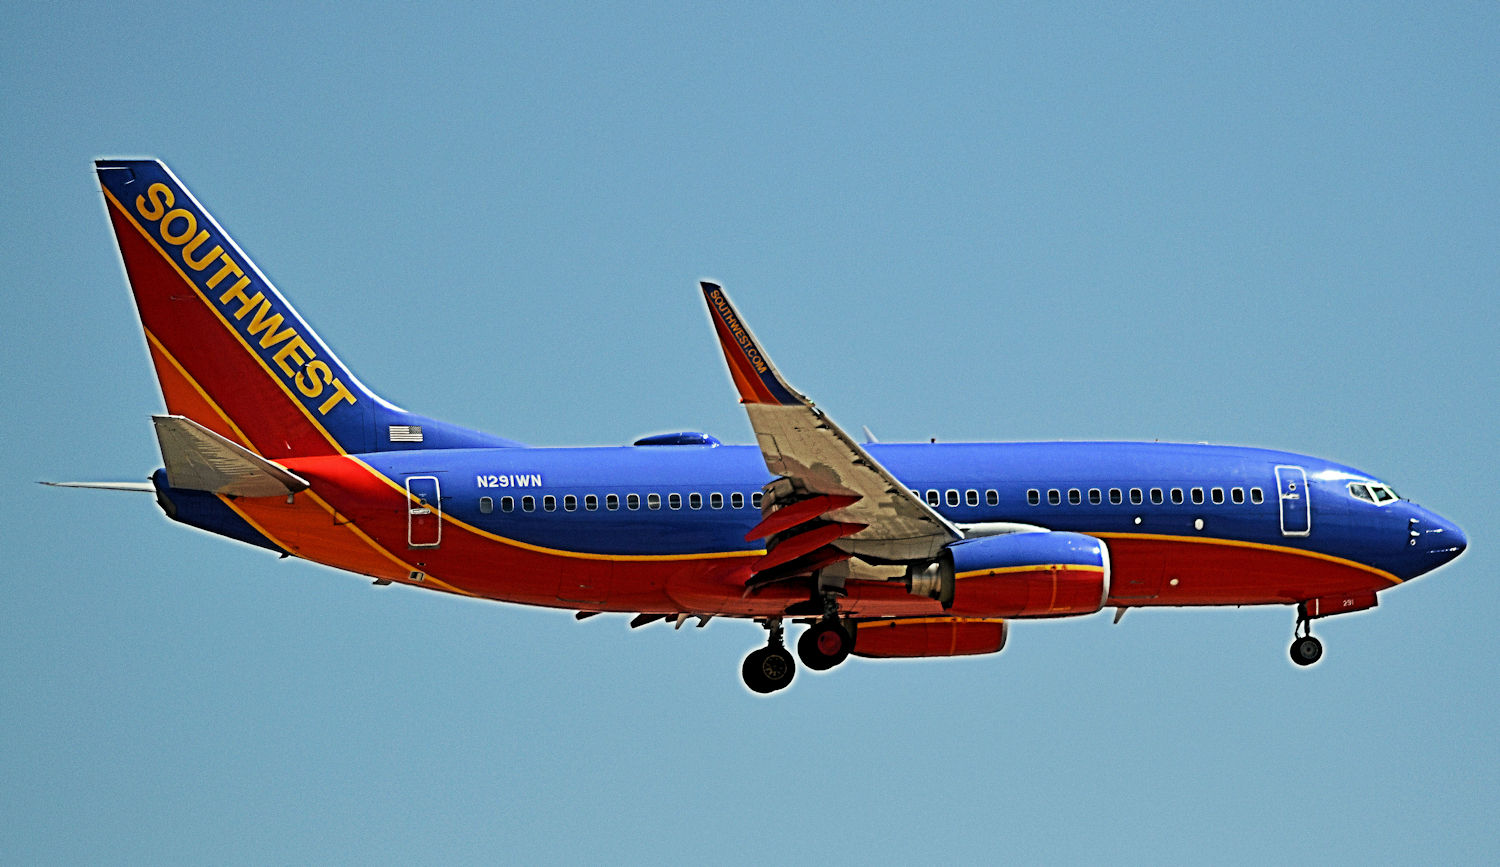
(880, 550)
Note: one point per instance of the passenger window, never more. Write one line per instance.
(653, 501)
(1075, 496)
(952, 497)
(971, 497)
(570, 503)
(1136, 497)
(695, 501)
(933, 499)
(1116, 496)
(1034, 497)
(1237, 495)
(486, 505)
(612, 502)
(528, 503)
(1054, 496)
(1095, 497)
(632, 501)
(1256, 496)
(1217, 495)
(1156, 497)
(591, 502)
(1177, 496)
(755, 500)
(716, 501)
(507, 504)
(549, 503)
(992, 497)
(1197, 496)
(737, 500)
(674, 501)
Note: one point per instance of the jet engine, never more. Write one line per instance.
(1048, 574)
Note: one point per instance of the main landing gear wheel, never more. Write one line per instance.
(1307, 650)
(824, 645)
(768, 669)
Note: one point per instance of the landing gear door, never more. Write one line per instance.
(1296, 507)
(424, 512)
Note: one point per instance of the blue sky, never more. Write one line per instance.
(1259, 224)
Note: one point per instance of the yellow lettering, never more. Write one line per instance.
(238, 291)
(249, 305)
(200, 264)
(314, 382)
(260, 322)
(292, 351)
(229, 268)
(161, 199)
(341, 393)
(166, 222)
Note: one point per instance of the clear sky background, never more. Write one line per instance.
(1255, 224)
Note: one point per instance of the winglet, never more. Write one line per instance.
(753, 374)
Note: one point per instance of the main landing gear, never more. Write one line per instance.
(821, 646)
(824, 645)
(1305, 649)
(770, 668)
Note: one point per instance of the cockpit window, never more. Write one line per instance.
(1374, 492)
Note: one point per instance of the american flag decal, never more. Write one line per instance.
(406, 433)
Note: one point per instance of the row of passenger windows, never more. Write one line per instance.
(612, 502)
(935, 498)
(1138, 496)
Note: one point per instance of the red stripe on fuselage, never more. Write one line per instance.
(1207, 572)
(1190, 571)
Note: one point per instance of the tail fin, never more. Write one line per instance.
(229, 351)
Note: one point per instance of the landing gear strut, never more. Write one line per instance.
(1305, 649)
(770, 668)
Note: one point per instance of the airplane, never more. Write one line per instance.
(882, 550)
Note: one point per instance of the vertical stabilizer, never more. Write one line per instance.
(230, 352)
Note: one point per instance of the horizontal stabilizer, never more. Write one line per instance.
(137, 487)
(197, 459)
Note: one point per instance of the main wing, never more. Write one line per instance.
(828, 483)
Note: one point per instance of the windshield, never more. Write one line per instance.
(1374, 492)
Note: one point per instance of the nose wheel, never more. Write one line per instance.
(770, 668)
(1305, 649)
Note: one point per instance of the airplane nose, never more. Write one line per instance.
(1442, 540)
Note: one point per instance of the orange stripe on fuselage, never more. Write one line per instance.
(308, 527)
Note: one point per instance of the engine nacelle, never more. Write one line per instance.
(914, 637)
(1050, 574)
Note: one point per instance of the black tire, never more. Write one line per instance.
(1306, 651)
(768, 670)
(824, 645)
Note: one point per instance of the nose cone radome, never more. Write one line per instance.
(1442, 541)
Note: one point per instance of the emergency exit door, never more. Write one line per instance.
(424, 512)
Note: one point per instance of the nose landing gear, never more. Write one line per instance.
(1305, 649)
